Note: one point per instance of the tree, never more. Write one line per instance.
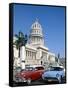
(20, 45)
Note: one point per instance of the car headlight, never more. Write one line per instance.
(57, 75)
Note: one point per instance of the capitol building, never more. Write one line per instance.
(36, 52)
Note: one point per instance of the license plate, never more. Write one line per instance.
(49, 80)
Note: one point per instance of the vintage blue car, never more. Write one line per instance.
(54, 74)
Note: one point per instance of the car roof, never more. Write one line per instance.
(36, 66)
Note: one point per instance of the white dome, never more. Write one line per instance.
(36, 35)
(36, 25)
(36, 29)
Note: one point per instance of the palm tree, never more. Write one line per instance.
(20, 45)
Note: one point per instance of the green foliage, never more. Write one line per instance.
(21, 40)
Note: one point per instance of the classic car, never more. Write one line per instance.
(29, 74)
(54, 74)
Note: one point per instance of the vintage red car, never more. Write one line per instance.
(30, 74)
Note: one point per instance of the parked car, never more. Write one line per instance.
(29, 74)
(54, 74)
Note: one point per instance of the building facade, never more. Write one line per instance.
(35, 50)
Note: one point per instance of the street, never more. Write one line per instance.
(38, 82)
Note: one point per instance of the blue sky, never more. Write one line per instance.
(52, 20)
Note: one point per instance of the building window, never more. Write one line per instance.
(34, 31)
(30, 53)
(44, 55)
(26, 52)
(33, 55)
(35, 25)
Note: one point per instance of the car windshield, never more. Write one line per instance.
(55, 69)
(29, 69)
(39, 68)
(32, 68)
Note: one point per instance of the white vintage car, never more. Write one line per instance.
(54, 74)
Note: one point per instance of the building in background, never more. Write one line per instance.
(62, 62)
(36, 52)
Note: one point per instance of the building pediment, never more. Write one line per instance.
(43, 47)
(30, 47)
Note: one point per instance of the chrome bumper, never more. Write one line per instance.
(50, 79)
(20, 80)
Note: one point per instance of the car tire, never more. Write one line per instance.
(29, 81)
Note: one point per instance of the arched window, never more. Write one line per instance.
(37, 31)
(35, 25)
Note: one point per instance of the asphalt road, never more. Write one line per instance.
(38, 82)
(46, 83)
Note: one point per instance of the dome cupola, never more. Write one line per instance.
(36, 35)
(36, 25)
(36, 29)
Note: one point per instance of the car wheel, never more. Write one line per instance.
(29, 81)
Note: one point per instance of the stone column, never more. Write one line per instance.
(15, 57)
(22, 56)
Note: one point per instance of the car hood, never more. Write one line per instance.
(50, 73)
(26, 73)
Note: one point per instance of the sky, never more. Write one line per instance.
(52, 20)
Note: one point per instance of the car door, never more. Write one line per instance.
(35, 75)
